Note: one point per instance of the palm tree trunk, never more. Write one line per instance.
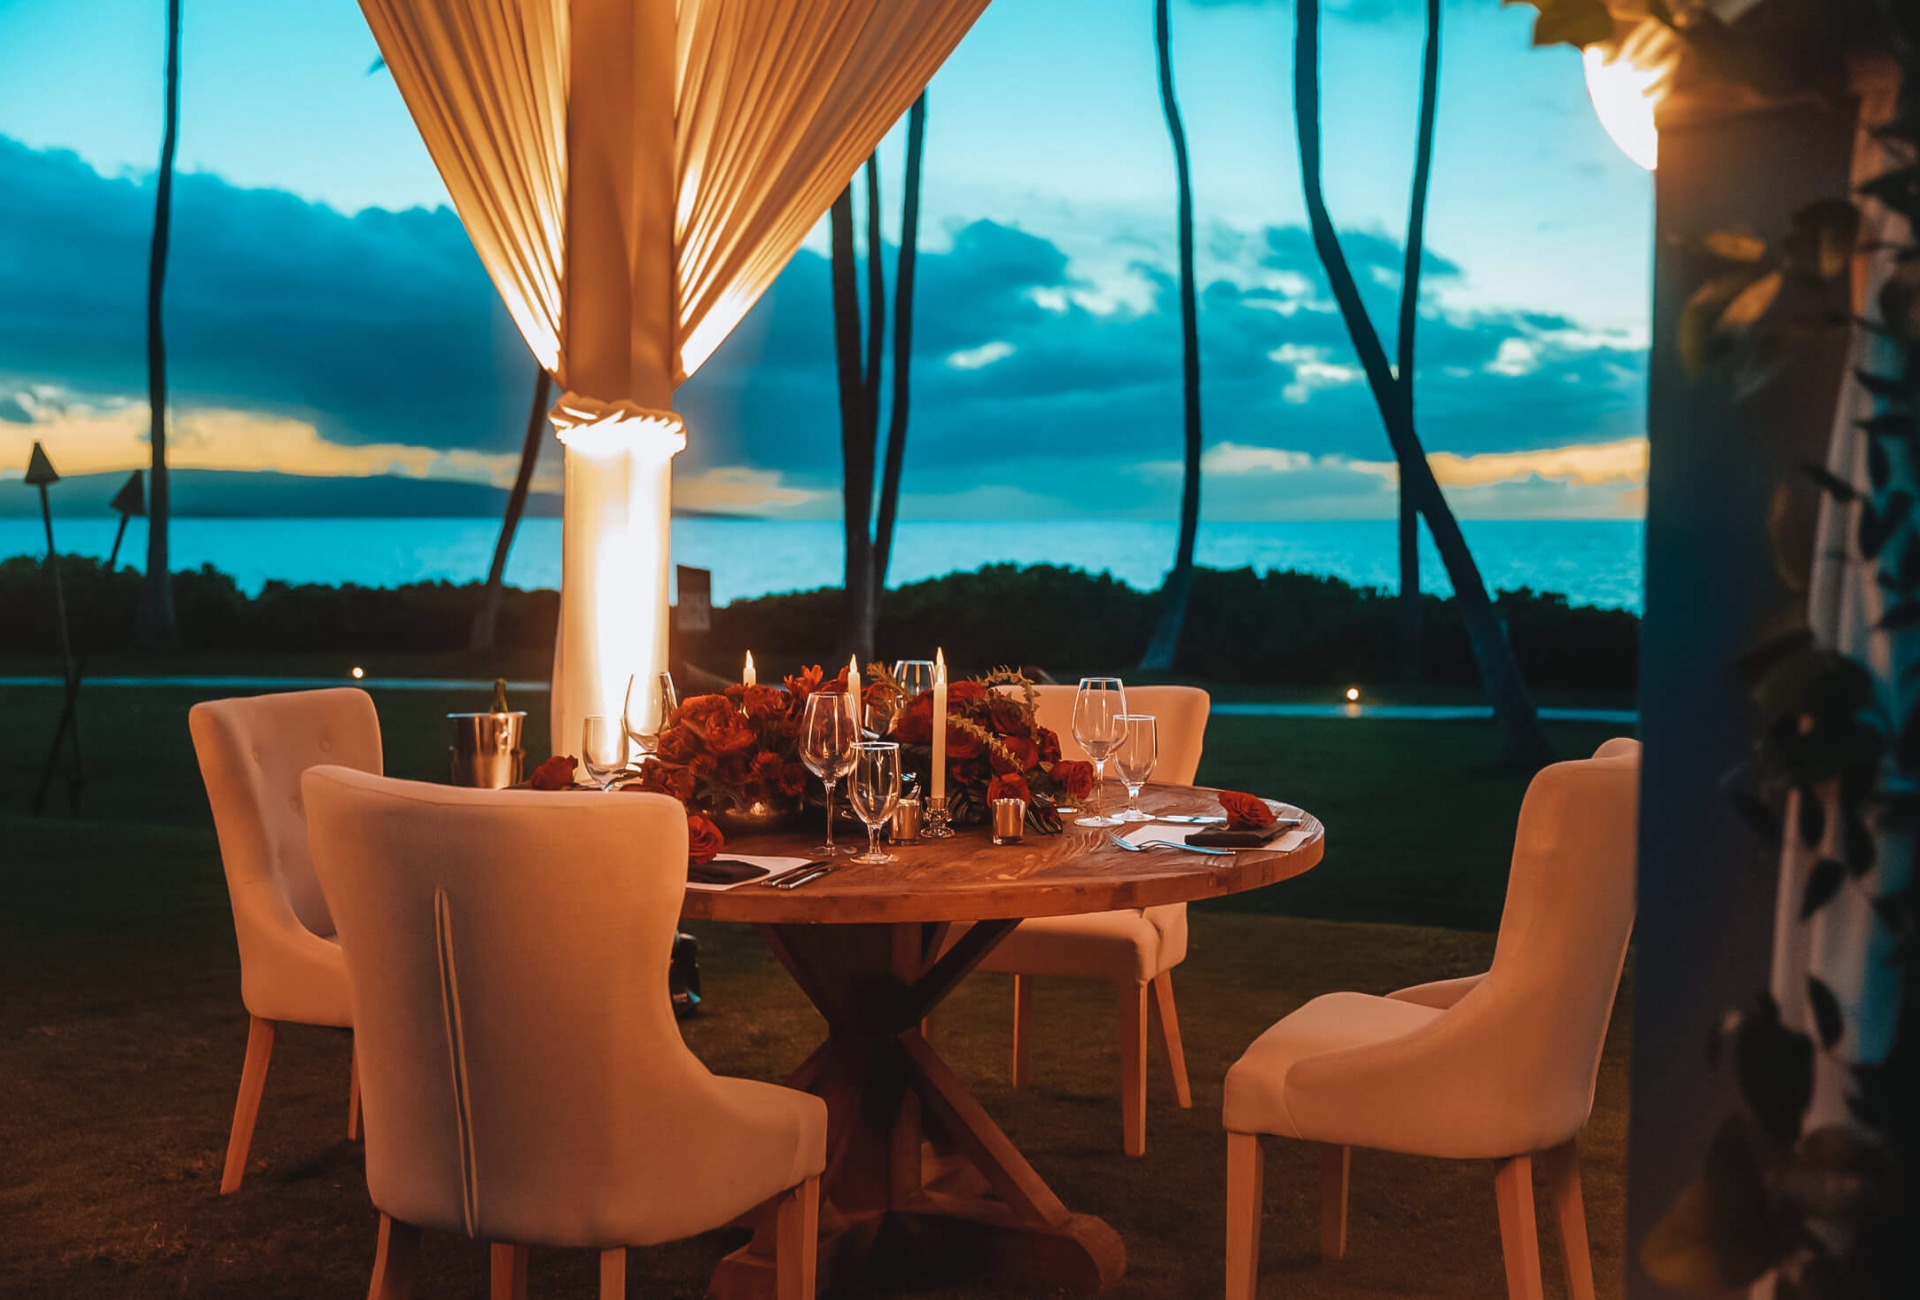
(158, 627)
(488, 615)
(856, 434)
(1161, 650)
(1410, 630)
(1526, 743)
(902, 346)
(876, 294)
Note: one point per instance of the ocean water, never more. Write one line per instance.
(1592, 562)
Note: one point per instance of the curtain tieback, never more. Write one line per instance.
(587, 424)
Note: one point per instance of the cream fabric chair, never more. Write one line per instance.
(524, 1079)
(252, 752)
(1491, 1067)
(1136, 949)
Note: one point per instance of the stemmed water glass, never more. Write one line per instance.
(603, 748)
(645, 730)
(915, 677)
(1133, 759)
(1097, 710)
(829, 729)
(874, 790)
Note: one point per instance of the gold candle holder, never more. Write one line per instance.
(1009, 820)
(906, 822)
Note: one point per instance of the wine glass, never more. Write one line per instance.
(603, 748)
(1133, 759)
(645, 730)
(1097, 710)
(829, 729)
(916, 679)
(874, 790)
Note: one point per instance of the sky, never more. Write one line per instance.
(327, 316)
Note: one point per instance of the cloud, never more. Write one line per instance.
(318, 343)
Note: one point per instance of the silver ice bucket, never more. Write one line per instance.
(486, 751)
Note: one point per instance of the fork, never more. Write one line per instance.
(1131, 847)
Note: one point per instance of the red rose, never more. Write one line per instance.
(678, 744)
(555, 774)
(704, 839)
(761, 703)
(1009, 786)
(1048, 742)
(679, 783)
(1244, 811)
(914, 726)
(1075, 778)
(703, 764)
(793, 779)
(699, 711)
(961, 745)
(729, 733)
(1008, 716)
(965, 692)
(1025, 755)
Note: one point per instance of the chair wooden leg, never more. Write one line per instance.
(1022, 1029)
(1170, 1036)
(797, 1242)
(253, 1080)
(613, 1274)
(1246, 1178)
(395, 1260)
(509, 1272)
(353, 1095)
(1569, 1209)
(1133, 1068)
(1519, 1237)
(1336, 1166)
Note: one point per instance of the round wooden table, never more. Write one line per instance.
(914, 1164)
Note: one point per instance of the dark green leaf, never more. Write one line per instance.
(1887, 390)
(1813, 819)
(1775, 1069)
(1830, 483)
(1826, 1011)
(1903, 615)
(1890, 424)
(1879, 465)
(1823, 882)
(1862, 849)
(1896, 914)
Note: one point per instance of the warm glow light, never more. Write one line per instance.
(1626, 84)
(358, 672)
(748, 677)
(1353, 694)
(613, 560)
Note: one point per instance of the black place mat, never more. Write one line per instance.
(1221, 837)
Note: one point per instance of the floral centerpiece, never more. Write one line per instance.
(996, 747)
(737, 751)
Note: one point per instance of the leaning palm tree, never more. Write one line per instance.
(903, 282)
(1179, 585)
(1526, 743)
(487, 617)
(157, 624)
(1411, 649)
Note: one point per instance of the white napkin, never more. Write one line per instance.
(775, 868)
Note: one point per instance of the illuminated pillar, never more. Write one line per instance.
(618, 326)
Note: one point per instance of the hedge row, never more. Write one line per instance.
(1279, 627)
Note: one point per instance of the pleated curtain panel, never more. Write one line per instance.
(633, 175)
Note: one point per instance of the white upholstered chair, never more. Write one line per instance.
(524, 1079)
(1491, 1067)
(1135, 949)
(252, 752)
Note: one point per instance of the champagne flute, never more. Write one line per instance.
(828, 731)
(1134, 757)
(916, 678)
(873, 788)
(644, 732)
(603, 748)
(1097, 710)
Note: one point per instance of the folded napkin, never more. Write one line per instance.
(1221, 837)
(724, 871)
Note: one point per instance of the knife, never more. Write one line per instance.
(795, 879)
(1192, 819)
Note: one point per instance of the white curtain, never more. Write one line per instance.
(634, 174)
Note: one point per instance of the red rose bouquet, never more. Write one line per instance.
(1245, 812)
(995, 748)
(736, 749)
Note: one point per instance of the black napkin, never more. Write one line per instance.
(1251, 837)
(724, 871)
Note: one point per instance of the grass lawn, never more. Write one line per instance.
(121, 1035)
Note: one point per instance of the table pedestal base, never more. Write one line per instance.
(919, 1179)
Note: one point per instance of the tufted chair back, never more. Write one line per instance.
(252, 752)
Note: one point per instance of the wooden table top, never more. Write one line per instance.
(969, 878)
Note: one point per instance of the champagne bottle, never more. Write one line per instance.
(500, 695)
